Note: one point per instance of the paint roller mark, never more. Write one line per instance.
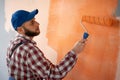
(105, 21)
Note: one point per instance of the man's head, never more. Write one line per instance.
(24, 22)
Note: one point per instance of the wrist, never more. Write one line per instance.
(73, 53)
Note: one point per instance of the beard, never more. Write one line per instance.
(30, 33)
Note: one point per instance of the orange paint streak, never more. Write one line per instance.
(106, 21)
(98, 61)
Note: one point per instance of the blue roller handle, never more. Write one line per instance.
(85, 35)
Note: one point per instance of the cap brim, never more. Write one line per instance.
(32, 14)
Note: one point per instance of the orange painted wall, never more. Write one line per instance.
(98, 61)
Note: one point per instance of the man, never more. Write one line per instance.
(26, 61)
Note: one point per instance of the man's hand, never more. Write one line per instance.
(79, 46)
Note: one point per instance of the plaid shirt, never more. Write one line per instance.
(29, 63)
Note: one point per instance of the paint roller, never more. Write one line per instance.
(104, 21)
(85, 35)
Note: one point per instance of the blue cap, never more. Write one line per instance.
(21, 16)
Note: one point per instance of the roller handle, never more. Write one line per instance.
(85, 35)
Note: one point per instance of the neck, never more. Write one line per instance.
(31, 38)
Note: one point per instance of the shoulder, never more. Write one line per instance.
(28, 46)
(31, 48)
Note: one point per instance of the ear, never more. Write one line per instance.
(20, 30)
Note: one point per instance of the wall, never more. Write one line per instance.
(61, 19)
(118, 61)
(99, 59)
(3, 70)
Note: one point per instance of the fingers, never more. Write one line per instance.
(79, 46)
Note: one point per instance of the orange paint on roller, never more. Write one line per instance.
(105, 21)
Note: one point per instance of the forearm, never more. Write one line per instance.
(67, 63)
